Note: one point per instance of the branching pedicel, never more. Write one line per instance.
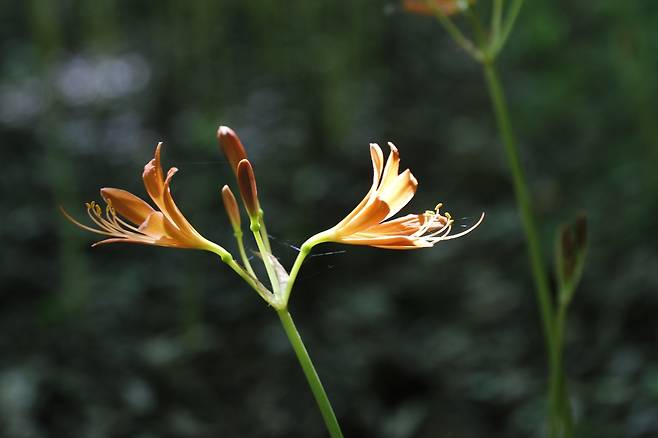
(128, 218)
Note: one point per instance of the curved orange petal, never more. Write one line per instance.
(399, 192)
(159, 229)
(154, 178)
(393, 242)
(377, 158)
(173, 213)
(154, 226)
(133, 208)
(403, 226)
(392, 166)
(373, 213)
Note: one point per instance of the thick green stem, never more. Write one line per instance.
(311, 375)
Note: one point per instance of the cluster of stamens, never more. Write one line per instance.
(439, 225)
(110, 223)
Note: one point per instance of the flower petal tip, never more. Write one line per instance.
(224, 131)
(231, 146)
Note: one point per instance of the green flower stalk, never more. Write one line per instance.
(484, 48)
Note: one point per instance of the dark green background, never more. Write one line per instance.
(144, 342)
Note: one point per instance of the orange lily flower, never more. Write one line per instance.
(423, 7)
(390, 191)
(143, 224)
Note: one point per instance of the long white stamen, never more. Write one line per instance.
(454, 236)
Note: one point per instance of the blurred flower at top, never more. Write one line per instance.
(429, 7)
(143, 224)
(389, 193)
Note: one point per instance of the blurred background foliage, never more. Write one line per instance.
(140, 342)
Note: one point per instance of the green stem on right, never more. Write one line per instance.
(523, 202)
(312, 377)
(559, 411)
(562, 421)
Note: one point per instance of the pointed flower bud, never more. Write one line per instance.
(231, 207)
(570, 256)
(247, 184)
(231, 146)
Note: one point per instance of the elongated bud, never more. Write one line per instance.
(570, 256)
(231, 146)
(231, 207)
(248, 190)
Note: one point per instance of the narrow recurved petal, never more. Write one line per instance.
(154, 178)
(409, 224)
(173, 213)
(127, 205)
(231, 146)
(390, 242)
(231, 207)
(392, 166)
(399, 192)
